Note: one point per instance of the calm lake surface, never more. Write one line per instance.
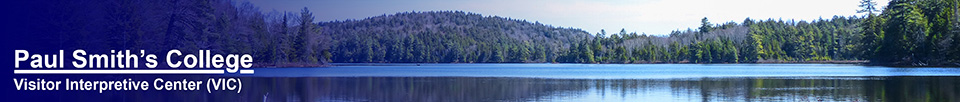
(604, 82)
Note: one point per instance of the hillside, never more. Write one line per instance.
(447, 36)
(461, 37)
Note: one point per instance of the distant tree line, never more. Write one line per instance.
(905, 33)
(445, 37)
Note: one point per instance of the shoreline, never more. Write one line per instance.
(290, 65)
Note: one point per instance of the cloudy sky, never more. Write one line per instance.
(647, 16)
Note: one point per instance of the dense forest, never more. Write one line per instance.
(904, 33)
(454, 36)
(907, 33)
(447, 36)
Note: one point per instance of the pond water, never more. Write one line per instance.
(603, 82)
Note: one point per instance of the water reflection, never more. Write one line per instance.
(460, 89)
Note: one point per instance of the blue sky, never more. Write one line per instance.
(647, 16)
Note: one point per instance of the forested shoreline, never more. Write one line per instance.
(821, 41)
(905, 33)
(917, 32)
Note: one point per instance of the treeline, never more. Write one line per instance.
(719, 46)
(914, 33)
(909, 32)
(748, 42)
(447, 37)
(459, 37)
(819, 40)
(906, 33)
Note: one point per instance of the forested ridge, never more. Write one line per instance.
(904, 33)
(456, 36)
(447, 36)
(907, 33)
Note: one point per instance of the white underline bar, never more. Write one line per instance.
(246, 71)
(125, 71)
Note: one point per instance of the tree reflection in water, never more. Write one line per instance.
(459, 89)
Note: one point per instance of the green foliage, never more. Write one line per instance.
(868, 6)
(906, 33)
(454, 37)
(705, 25)
(914, 33)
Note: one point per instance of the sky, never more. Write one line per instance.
(655, 17)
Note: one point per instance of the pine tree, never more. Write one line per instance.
(868, 6)
(905, 28)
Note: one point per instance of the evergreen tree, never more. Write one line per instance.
(903, 30)
(868, 6)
